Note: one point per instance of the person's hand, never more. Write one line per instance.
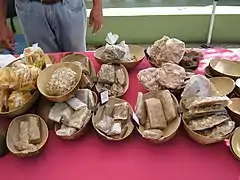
(6, 37)
(96, 19)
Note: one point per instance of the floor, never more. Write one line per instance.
(161, 3)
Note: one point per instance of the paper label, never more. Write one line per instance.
(104, 97)
(135, 118)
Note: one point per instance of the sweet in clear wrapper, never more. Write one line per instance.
(166, 50)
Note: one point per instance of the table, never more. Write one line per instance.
(92, 158)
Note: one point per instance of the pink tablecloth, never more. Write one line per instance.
(91, 158)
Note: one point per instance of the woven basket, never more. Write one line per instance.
(172, 128)
(13, 130)
(98, 115)
(81, 131)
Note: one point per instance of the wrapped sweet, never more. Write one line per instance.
(140, 109)
(61, 82)
(34, 130)
(169, 76)
(166, 50)
(118, 52)
(18, 99)
(106, 74)
(79, 118)
(55, 113)
(105, 124)
(155, 113)
(33, 56)
(120, 111)
(168, 105)
(153, 134)
(66, 131)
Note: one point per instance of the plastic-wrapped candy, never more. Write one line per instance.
(79, 118)
(168, 105)
(154, 134)
(121, 111)
(155, 113)
(116, 129)
(207, 122)
(198, 86)
(166, 50)
(115, 52)
(169, 76)
(219, 131)
(8, 78)
(140, 109)
(18, 99)
(66, 131)
(34, 56)
(34, 130)
(106, 74)
(105, 124)
(55, 113)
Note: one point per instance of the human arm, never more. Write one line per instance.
(6, 35)
(96, 16)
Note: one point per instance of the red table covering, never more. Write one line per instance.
(91, 158)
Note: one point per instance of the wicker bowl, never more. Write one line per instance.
(99, 87)
(13, 130)
(224, 67)
(138, 52)
(79, 57)
(198, 137)
(234, 110)
(234, 143)
(171, 130)
(26, 107)
(81, 131)
(46, 75)
(224, 85)
(97, 117)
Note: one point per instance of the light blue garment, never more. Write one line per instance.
(59, 27)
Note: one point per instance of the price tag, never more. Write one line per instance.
(104, 97)
(135, 118)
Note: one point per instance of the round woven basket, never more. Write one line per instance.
(198, 137)
(98, 115)
(26, 107)
(12, 134)
(138, 51)
(99, 87)
(171, 130)
(81, 131)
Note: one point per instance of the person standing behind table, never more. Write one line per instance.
(56, 25)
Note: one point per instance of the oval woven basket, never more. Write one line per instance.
(98, 115)
(171, 130)
(12, 134)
